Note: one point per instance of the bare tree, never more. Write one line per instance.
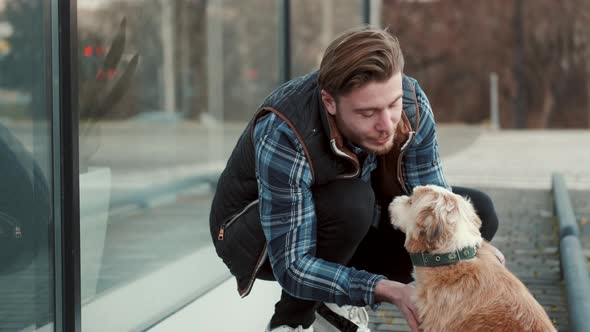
(520, 99)
(538, 48)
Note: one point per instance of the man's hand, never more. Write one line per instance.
(402, 296)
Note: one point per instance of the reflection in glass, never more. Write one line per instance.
(165, 89)
(315, 24)
(26, 246)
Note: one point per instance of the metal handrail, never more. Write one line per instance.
(573, 261)
(563, 207)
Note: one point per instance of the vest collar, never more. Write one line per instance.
(337, 143)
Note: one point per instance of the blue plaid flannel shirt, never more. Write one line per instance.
(288, 214)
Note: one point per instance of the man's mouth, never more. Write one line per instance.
(382, 140)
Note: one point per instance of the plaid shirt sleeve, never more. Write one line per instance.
(288, 219)
(422, 164)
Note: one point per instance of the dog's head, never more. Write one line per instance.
(435, 220)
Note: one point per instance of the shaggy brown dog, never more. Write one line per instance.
(474, 294)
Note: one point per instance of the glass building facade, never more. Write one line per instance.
(116, 117)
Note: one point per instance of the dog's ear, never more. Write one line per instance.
(430, 224)
(435, 219)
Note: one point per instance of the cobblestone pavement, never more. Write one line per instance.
(528, 237)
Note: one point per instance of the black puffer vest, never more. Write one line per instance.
(298, 102)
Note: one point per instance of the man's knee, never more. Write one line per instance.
(487, 214)
(485, 210)
(347, 202)
(344, 210)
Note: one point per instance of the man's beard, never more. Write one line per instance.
(383, 149)
(358, 139)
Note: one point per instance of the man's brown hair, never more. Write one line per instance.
(359, 56)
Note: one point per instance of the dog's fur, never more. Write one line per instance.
(478, 294)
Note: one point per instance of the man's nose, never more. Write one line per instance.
(384, 122)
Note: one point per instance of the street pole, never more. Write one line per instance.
(168, 49)
(284, 40)
(494, 114)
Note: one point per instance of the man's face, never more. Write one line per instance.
(368, 115)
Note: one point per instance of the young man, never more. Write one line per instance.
(303, 198)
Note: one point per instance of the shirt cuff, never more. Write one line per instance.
(362, 290)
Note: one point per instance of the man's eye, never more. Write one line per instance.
(395, 103)
(367, 114)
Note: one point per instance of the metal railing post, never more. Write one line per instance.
(573, 262)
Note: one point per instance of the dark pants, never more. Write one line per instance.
(344, 212)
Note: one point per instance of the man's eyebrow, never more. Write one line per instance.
(397, 98)
(366, 109)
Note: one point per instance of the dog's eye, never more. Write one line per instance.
(410, 201)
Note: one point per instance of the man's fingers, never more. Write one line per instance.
(412, 319)
(414, 311)
(500, 256)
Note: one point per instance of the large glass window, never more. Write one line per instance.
(315, 24)
(166, 87)
(26, 173)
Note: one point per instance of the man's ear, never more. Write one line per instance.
(329, 102)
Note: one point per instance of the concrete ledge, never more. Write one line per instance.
(154, 298)
(222, 310)
(144, 302)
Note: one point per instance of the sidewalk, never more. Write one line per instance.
(522, 159)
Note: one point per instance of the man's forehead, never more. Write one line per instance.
(373, 101)
(390, 88)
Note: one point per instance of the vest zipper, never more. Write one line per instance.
(261, 259)
(227, 224)
(342, 154)
(403, 149)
